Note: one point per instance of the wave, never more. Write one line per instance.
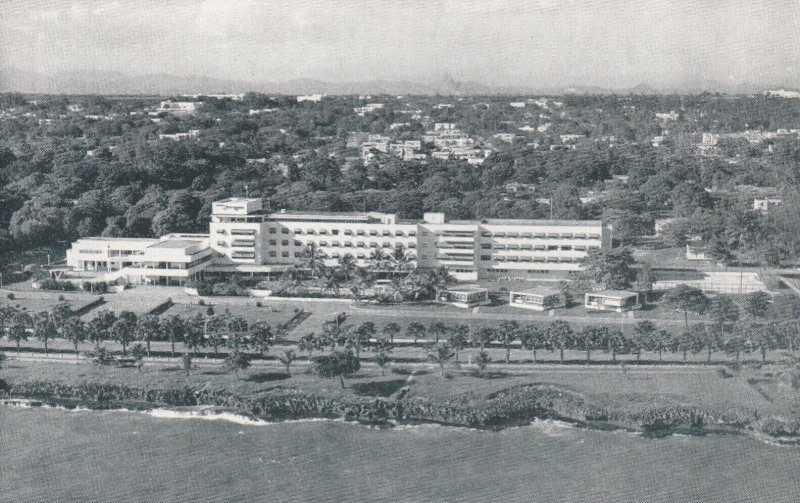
(212, 414)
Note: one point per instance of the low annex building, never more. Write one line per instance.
(612, 300)
(244, 238)
(537, 299)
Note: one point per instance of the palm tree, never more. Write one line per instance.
(44, 328)
(148, 327)
(364, 280)
(347, 266)
(458, 339)
(440, 277)
(237, 333)
(559, 335)
(440, 355)
(358, 339)
(287, 357)
(509, 332)
(6, 316)
(415, 330)
(313, 261)
(294, 278)
(378, 259)
(332, 281)
(398, 260)
(74, 330)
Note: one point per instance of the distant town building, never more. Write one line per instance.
(517, 104)
(766, 204)
(192, 134)
(314, 98)
(177, 107)
(783, 93)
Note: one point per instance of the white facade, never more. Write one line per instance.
(244, 238)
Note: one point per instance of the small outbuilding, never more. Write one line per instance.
(467, 296)
(612, 300)
(537, 299)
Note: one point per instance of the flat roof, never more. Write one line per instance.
(539, 290)
(512, 221)
(465, 288)
(118, 240)
(613, 293)
(175, 243)
(238, 200)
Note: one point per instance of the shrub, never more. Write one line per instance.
(54, 284)
(201, 302)
(101, 287)
(10, 296)
(86, 286)
(259, 304)
(61, 298)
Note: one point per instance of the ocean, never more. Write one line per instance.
(60, 455)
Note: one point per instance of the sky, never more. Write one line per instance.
(539, 43)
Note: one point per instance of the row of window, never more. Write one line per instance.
(286, 254)
(346, 232)
(548, 235)
(343, 244)
(504, 258)
(489, 246)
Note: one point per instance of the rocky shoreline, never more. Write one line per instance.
(511, 407)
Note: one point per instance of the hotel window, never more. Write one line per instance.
(285, 242)
(298, 243)
(360, 232)
(298, 254)
(298, 231)
(273, 242)
(594, 236)
(412, 245)
(221, 243)
(348, 244)
(310, 232)
(348, 232)
(580, 248)
(360, 244)
(273, 254)
(284, 231)
(552, 248)
(387, 245)
(360, 255)
(387, 233)
(373, 244)
(566, 247)
(335, 232)
(284, 254)
(412, 233)
(486, 234)
(486, 246)
(220, 231)
(398, 233)
(334, 243)
(486, 257)
(323, 232)
(323, 243)
(272, 230)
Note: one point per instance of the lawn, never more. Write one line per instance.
(274, 315)
(633, 389)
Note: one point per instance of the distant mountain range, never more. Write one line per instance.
(101, 82)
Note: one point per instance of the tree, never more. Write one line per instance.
(174, 328)
(391, 329)
(644, 281)
(313, 261)
(686, 299)
(482, 361)
(509, 332)
(661, 340)
(610, 267)
(440, 354)
(559, 335)
(287, 357)
(193, 332)
(74, 330)
(723, 313)
(533, 338)
(458, 339)
(122, 331)
(236, 361)
(704, 337)
(415, 330)
(757, 304)
(44, 329)
(138, 352)
(18, 331)
(332, 281)
(590, 338)
(60, 313)
(437, 329)
(382, 350)
(100, 356)
(261, 337)
(310, 342)
(643, 334)
(215, 331)
(99, 328)
(148, 328)
(615, 342)
(337, 364)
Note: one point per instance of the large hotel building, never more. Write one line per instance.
(243, 238)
